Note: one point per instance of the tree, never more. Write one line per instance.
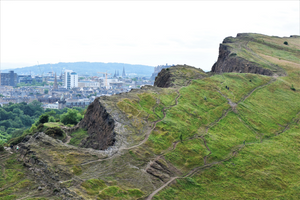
(71, 117)
(51, 119)
(44, 118)
(46, 91)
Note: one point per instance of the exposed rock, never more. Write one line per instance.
(99, 125)
(229, 62)
(178, 75)
(158, 174)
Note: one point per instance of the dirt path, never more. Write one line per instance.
(248, 95)
(68, 138)
(159, 189)
(205, 157)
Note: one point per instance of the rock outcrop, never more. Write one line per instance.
(99, 125)
(230, 62)
(178, 75)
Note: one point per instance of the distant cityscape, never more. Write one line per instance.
(68, 89)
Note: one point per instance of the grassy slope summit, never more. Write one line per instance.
(181, 142)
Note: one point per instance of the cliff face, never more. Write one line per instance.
(246, 53)
(230, 62)
(99, 125)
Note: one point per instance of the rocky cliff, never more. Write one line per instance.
(230, 62)
(236, 55)
(99, 125)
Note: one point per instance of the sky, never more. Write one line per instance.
(134, 32)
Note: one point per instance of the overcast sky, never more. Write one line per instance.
(135, 32)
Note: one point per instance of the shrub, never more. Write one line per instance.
(16, 140)
(71, 117)
(51, 119)
(33, 128)
(54, 132)
(43, 118)
(1, 147)
(40, 127)
(286, 43)
(292, 88)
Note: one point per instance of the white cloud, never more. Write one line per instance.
(149, 33)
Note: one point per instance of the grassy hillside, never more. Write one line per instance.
(224, 136)
(267, 165)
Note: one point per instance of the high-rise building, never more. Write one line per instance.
(70, 79)
(9, 78)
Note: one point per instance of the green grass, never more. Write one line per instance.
(271, 108)
(98, 187)
(274, 52)
(239, 84)
(77, 170)
(52, 124)
(93, 186)
(78, 136)
(228, 134)
(188, 117)
(115, 192)
(188, 154)
(267, 170)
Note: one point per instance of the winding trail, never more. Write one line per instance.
(249, 94)
(192, 172)
(68, 138)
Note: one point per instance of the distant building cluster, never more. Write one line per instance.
(67, 89)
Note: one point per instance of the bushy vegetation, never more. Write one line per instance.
(78, 136)
(72, 116)
(16, 118)
(55, 132)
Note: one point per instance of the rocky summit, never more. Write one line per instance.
(232, 133)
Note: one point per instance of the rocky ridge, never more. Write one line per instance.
(235, 55)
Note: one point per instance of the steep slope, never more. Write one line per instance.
(229, 135)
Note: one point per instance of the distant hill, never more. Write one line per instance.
(86, 68)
